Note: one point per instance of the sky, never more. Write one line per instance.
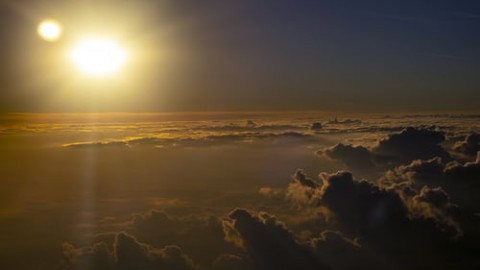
(345, 56)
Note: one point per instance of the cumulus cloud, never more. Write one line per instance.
(354, 157)
(412, 143)
(434, 203)
(271, 245)
(460, 181)
(400, 148)
(268, 242)
(364, 207)
(390, 221)
(469, 146)
(302, 189)
(368, 208)
(127, 253)
(200, 236)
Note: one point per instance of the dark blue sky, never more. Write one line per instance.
(263, 55)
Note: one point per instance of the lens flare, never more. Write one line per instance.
(50, 30)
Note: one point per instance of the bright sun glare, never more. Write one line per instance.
(98, 56)
(49, 30)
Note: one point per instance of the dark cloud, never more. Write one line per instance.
(363, 206)
(302, 190)
(394, 223)
(436, 196)
(270, 245)
(355, 157)
(304, 180)
(369, 208)
(343, 122)
(339, 252)
(97, 256)
(232, 262)
(434, 204)
(268, 242)
(408, 145)
(411, 144)
(200, 236)
(316, 126)
(128, 253)
(469, 146)
(460, 181)
(391, 228)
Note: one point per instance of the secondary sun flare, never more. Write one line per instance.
(98, 56)
(50, 30)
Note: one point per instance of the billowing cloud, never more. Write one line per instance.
(390, 220)
(469, 146)
(200, 236)
(400, 148)
(363, 207)
(412, 143)
(302, 189)
(460, 181)
(435, 204)
(128, 253)
(268, 242)
(354, 157)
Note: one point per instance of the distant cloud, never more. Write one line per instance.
(399, 148)
(343, 122)
(96, 144)
(411, 144)
(355, 157)
(192, 141)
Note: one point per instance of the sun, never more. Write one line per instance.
(98, 56)
(50, 30)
